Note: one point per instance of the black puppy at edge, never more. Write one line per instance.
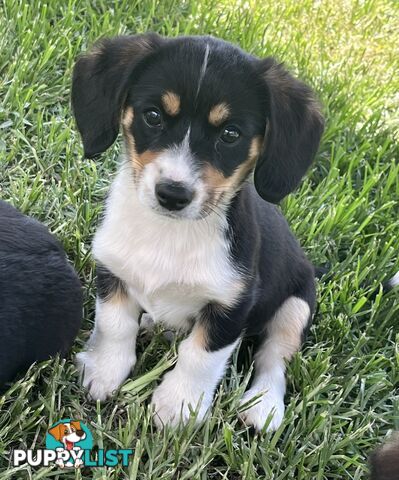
(185, 236)
(40, 294)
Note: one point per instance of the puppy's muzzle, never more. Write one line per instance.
(172, 195)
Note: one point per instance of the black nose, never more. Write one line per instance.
(173, 195)
(80, 433)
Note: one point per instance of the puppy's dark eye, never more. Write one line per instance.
(230, 134)
(153, 117)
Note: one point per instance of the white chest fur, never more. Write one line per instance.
(172, 268)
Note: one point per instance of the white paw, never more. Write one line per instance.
(102, 375)
(173, 399)
(269, 403)
(60, 463)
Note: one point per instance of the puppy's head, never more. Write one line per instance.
(198, 115)
(71, 431)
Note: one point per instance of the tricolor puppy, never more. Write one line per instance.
(186, 236)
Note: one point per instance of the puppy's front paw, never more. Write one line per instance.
(269, 403)
(78, 463)
(60, 461)
(173, 399)
(102, 375)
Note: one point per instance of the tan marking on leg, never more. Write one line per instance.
(200, 336)
(117, 297)
(171, 103)
(286, 328)
(284, 335)
(218, 114)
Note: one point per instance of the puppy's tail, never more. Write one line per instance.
(384, 461)
(387, 285)
(391, 283)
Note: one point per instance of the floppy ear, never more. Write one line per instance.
(293, 132)
(99, 87)
(57, 431)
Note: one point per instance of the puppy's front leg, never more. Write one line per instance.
(202, 360)
(110, 353)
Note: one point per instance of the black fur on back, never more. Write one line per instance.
(41, 296)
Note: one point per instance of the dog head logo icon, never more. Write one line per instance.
(69, 438)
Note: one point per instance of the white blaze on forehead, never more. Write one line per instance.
(176, 163)
(203, 68)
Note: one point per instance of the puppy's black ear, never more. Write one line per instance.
(99, 87)
(293, 132)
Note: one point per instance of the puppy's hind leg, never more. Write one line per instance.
(110, 353)
(283, 338)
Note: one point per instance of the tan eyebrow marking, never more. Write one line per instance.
(171, 103)
(218, 114)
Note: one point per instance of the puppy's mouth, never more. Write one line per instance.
(168, 214)
(69, 445)
(180, 215)
(206, 209)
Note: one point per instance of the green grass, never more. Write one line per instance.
(341, 394)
